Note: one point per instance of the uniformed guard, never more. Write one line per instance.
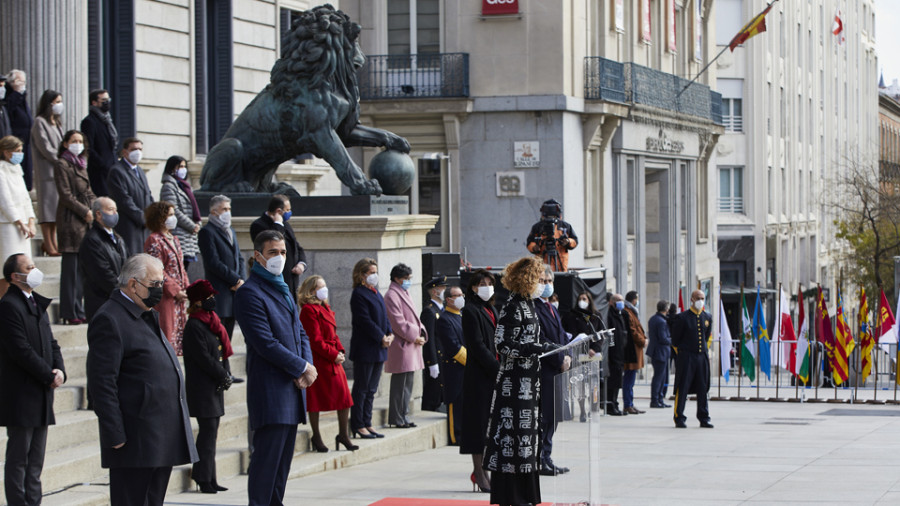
(690, 339)
(432, 395)
(452, 352)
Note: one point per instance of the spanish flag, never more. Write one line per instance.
(756, 26)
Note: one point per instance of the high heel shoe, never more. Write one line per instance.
(338, 441)
(357, 433)
(376, 434)
(218, 487)
(476, 486)
(318, 445)
(206, 487)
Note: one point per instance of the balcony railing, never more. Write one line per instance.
(628, 82)
(733, 205)
(444, 75)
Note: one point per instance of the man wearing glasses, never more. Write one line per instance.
(136, 389)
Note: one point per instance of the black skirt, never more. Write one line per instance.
(515, 488)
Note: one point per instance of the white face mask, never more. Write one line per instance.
(459, 302)
(58, 109)
(536, 294)
(485, 292)
(555, 304)
(322, 293)
(2, 92)
(76, 148)
(171, 222)
(135, 156)
(698, 304)
(583, 304)
(226, 218)
(274, 265)
(34, 278)
(372, 280)
(181, 172)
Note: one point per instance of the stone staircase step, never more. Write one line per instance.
(72, 429)
(69, 466)
(50, 266)
(69, 336)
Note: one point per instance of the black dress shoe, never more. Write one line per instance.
(655, 405)
(561, 470)
(706, 425)
(357, 433)
(548, 471)
(680, 425)
(206, 487)
(615, 412)
(235, 379)
(666, 405)
(220, 488)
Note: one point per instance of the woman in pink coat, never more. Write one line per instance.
(405, 353)
(160, 219)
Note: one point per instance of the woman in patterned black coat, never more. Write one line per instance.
(513, 436)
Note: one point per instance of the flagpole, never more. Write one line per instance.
(778, 346)
(872, 337)
(721, 372)
(797, 347)
(858, 356)
(758, 339)
(740, 353)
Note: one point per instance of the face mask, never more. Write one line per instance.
(459, 302)
(110, 220)
(322, 294)
(698, 304)
(406, 284)
(637, 304)
(274, 265)
(20, 88)
(372, 279)
(582, 304)
(34, 278)
(181, 172)
(76, 148)
(620, 305)
(17, 157)
(2, 92)
(104, 106)
(171, 222)
(485, 292)
(58, 109)
(555, 304)
(287, 215)
(226, 218)
(135, 156)
(209, 304)
(548, 291)
(538, 291)
(154, 295)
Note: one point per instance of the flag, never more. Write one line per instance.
(680, 301)
(756, 26)
(843, 346)
(889, 337)
(837, 28)
(761, 335)
(786, 336)
(886, 320)
(748, 349)
(802, 356)
(724, 341)
(866, 343)
(824, 333)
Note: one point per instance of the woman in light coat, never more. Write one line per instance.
(405, 353)
(176, 188)
(46, 135)
(16, 213)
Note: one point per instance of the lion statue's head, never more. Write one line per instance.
(320, 49)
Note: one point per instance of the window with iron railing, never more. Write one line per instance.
(731, 190)
(732, 114)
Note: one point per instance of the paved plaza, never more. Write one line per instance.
(759, 453)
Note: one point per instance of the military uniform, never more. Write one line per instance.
(432, 388)
(452, 353)
(690, 338)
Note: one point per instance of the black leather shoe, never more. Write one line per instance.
(655, 405)
(218, 487)
(548, 471)
(235, 379)
(615, 412)
(206, 487)
(680, 425)
(666, 405)
(706, 425)
(561, 470)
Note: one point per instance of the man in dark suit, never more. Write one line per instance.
(31, 367)
(137, 390)
(659, 350)
(5, 127)
(452, 354)
(222, 259)
(100, 256)
(616, 320)
(279, 369)
(690, 338)
(20, 119)
(128, 186)
(431, 312)
(277, 218)
(551, 398)
(101, 137)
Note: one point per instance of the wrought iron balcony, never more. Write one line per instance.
(604, 80)
(442, 75)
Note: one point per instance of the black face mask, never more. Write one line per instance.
(209, 304)
(104, 106)
(154, 295)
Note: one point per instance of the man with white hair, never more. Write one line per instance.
(136, 389)
(222, 258)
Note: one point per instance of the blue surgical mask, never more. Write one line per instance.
(287, 215)
(406, 284)
(110, 220)
(17, 158)
(548, 291)
(620, 305)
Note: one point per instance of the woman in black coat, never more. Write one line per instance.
(479, 321)
(584, 319)
(207, 375)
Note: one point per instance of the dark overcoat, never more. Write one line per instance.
(480, 373)
(431, 387)
(370, 324)
(205, 368)
(277, 353)
(136, 389)
(552, 331)
(222, 263)
(579, 321)
(129, 188)
(75, 199)
(295, 253)
(659, 346)
(21, 120)
(102, 151)
(100, 260)
(449, 332)
(690, 337)
(28, 355)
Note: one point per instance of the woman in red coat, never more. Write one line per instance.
(162, 244)
(330, 391)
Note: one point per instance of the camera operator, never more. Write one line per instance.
(552, 238)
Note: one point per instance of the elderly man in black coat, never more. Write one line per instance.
(101, 139)
(137, 390)
(31, 367)
(100, 256)
(222, 259)
(277, 217)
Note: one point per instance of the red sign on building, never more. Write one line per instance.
(491, 7)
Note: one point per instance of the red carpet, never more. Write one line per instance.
(407, 501)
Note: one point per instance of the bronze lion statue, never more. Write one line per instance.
(311, 105)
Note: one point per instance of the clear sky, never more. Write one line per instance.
(887, 38)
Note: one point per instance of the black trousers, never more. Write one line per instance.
(138, 486)
(432, 391)
(204, 470)
(270, 463)
(366, 376)
(24, 462)
(228, 323)
(71, 290)
(658, 385)
(613, 385)
(692, 374)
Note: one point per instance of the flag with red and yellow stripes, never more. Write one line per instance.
(866, 343)
(756, 26)
(843, 346)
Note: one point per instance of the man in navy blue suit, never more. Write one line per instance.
(222, 258)
(279, 368)
(551, 400)
(658, 350)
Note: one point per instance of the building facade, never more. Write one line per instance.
(798, 105)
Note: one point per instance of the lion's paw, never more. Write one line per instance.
(369, 187)
(397, 143)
